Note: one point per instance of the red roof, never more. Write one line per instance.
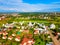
(29, 34)
(1, 32)
(24, 40)
(18, 37)
(10, 36)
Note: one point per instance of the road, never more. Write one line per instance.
(55, 41)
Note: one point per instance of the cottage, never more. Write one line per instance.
(17, 38)
(13, 34)
(4, 37)
(27, 41)
(25, 31)
(5, 33)
(30, 24)
(24, 41)
(39, 30)
(9, 25)
(52, 26)
(30, 42)
(10, 37)
(36, 31)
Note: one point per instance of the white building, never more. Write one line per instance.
(52, 26)
(30, 24)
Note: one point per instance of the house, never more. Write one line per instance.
(9, 25)
(0, 32)
(52, 26)
(24, 41)
(30, 24)
(38, 30)
(30, 42)
(46, 17)
(21, 23)
(29, 35)
(13, 34)
(22, 27)
(4, 37)
(17, 38)
(25, 31)
(5, 33)
(0, 18)
(10, 37)
(27, 41)
(3, 17)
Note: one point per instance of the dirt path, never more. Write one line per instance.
(55, 41)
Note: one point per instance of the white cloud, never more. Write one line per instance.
(19, 6)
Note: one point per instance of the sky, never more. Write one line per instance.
(29, 5)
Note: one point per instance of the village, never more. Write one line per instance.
(17, 31)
